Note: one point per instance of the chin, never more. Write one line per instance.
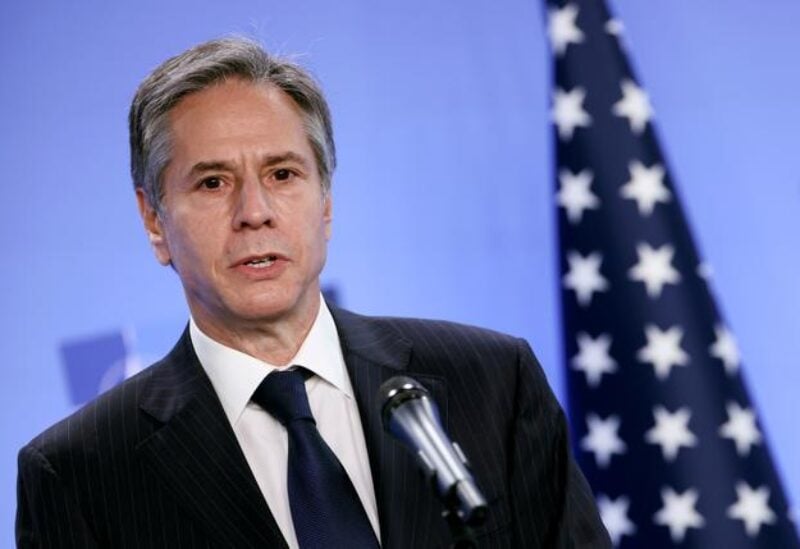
(268, 307)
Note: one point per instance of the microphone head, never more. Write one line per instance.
(397, 390)
(409, 414)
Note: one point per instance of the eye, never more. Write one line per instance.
(283, 174)
(211, 183)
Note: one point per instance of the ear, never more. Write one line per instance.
(327, 214)
(154, 227)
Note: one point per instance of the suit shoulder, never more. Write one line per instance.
(440, 340)
(445, 331)
(97, 421)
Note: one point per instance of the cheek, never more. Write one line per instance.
(191, 244)
(320, 230)
(321, 237)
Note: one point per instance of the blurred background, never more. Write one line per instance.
(444, 198)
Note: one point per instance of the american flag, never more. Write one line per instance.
(663, 425)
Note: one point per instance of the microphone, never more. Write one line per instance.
(410, 415)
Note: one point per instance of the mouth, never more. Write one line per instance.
(261, 261)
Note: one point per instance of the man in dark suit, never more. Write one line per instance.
(232, 156)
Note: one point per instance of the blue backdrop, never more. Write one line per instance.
(444, 196)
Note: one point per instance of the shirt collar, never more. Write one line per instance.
(236, 375)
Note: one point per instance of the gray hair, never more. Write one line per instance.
(201, 67)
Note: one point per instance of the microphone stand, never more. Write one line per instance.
(462, 536)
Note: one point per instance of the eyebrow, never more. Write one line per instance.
(267, 161)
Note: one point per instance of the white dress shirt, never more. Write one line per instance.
(235, 377)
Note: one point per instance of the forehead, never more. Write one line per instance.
(237, 112)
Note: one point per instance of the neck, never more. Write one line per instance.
(274, 341)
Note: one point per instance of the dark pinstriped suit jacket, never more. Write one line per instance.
(155, 463)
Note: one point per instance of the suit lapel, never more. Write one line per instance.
(407, 509)
(197, 457)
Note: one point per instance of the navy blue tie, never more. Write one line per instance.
(326, 510)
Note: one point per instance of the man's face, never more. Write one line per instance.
(243, 220)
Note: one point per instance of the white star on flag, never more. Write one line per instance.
(602, 439)
(654, 268)
(584, 276)
(634, 105)
(614, 514)
(646, 186)
(751, 508)
(725, 349)
(663, 350)
(614, 27)
(671, 431)
(705, 271)
(568, 112)
(741, 428)
(679, 513)
(563, 29)
(575, 195)
(593, 358)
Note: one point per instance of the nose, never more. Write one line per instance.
(253, 206)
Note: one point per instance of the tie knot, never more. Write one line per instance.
(283, 395)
